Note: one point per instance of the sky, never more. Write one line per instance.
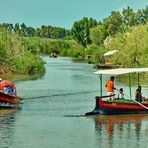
(61, 13)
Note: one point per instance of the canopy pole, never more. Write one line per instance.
(129, 81)
(138, 79)
(139, 90)
(100, 84)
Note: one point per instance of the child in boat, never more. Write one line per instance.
(138, 94)
(121, 94)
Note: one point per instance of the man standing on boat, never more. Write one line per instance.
(110, 87)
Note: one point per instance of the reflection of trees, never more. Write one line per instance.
(112, 130)
(6, 128)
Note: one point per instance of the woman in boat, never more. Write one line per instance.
(138, 95)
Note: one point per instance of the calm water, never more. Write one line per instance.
(53, 108)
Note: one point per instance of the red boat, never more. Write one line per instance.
(8, 96)
(120, 106)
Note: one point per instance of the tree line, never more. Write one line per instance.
(44, 31)
(87, 31)
(126, 31)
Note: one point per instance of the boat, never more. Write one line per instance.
(105, 66)
(53, 55)
(127, 105)
(8, 95)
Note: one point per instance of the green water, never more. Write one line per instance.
(53, 108)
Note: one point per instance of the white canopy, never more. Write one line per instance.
(120, 71)
(110, 52)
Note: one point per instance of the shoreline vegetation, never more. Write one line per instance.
(21, 47)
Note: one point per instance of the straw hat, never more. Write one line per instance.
(0, 79)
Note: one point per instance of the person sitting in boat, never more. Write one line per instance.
(110, 87)
(10, 90)
(138, 95)
(5, 90)
(121, 94)
(0, 84)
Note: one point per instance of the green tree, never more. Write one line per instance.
(81, 29)
(128, 16)
(113, 23)
(30, 31)
(145, 14)
(23, 30)
(17, 28)
(132, 47)
(98, 34)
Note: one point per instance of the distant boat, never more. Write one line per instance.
(119, 106)
(105, 66)
(53, 55)
(8, 95)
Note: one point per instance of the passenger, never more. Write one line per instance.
(138, 95)
(121, 94)
(110, 87)
(10, 90)
(5, 90)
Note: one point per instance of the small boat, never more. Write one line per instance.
(119, 106)
(53, 55)
(8, 95)
(105, 66)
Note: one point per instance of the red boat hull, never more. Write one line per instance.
(117, 107)
(8, 101)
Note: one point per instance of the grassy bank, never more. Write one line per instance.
(15, 58)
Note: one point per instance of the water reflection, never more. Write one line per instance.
(7, 118)
(121, 128)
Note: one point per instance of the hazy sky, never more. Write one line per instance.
(61, 13)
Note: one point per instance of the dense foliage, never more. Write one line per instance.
(81, 30)
(14, 57)
(132, 46)
(118, 22)
(126, 31)
(45, 46)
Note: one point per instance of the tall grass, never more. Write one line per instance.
(15, 58)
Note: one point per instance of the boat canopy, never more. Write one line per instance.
(111, 52)
(6, 83)
(120, 71)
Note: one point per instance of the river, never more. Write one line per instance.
(53, 108)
